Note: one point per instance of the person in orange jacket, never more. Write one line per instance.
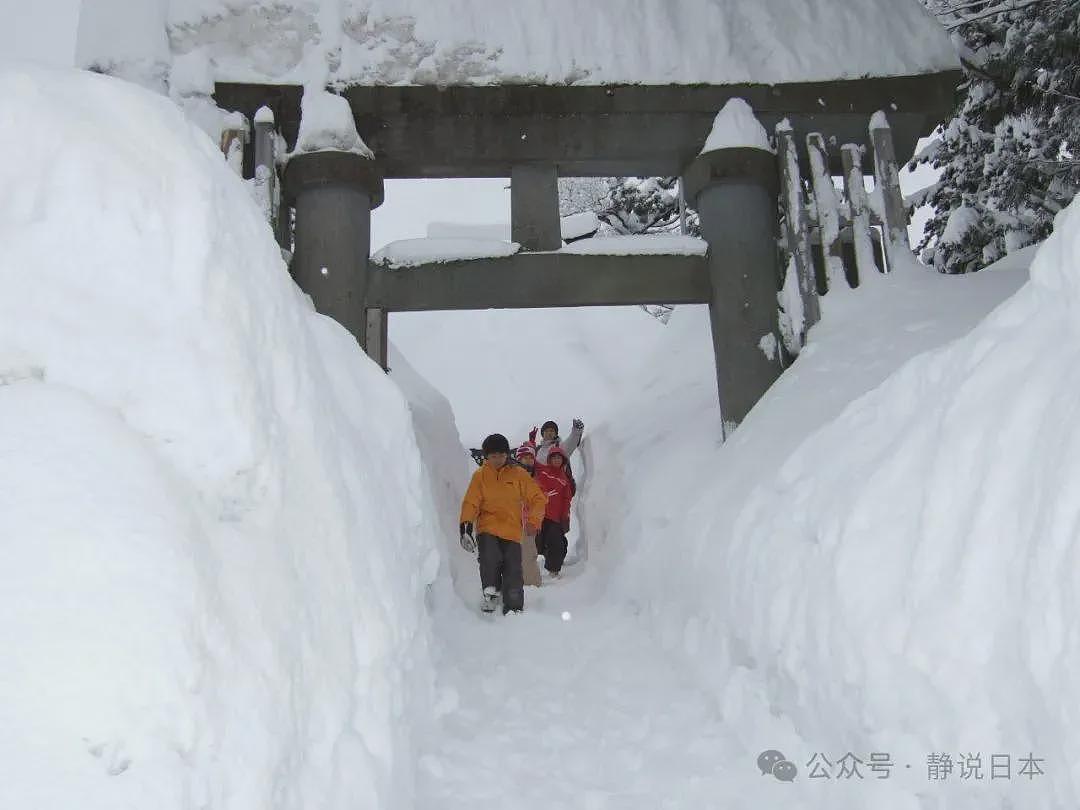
(493, 506)
(555, 484)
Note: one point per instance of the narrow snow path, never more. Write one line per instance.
(578, 713)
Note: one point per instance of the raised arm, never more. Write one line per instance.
(574, 439)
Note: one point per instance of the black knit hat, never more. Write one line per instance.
(550, 424)
(495, 443)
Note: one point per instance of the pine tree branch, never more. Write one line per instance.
(954, 10)
(1001, 8)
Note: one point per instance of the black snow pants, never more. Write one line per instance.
(500, 567)
(551, 542)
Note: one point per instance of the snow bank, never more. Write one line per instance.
(216, 528)
(661, 244)
(413, 252)
(736, 126)
(881, 559)
(448, 467)
(560, 41)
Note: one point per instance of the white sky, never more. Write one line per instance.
(43, 32)
(411, 204)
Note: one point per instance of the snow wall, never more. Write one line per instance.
(883, 557)
(217, 533)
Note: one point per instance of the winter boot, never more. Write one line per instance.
(490, 600)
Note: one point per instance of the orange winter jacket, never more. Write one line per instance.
(494, 500)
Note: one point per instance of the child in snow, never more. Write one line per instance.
(526, 457)
(555, 484)
(493, 505)
(549, 437)
(530, 570)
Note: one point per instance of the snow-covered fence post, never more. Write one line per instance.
(266, 183)
(855, 191)
(234, 136)
(334, 183)
(796, 230)
(734, 186)
(887, 187)
(827, 204)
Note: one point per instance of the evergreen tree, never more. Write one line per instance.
(1010, 156)
(627, 205)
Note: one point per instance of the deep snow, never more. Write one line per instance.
(224, 586)
(217, 532)
(881, 558)
(558, 41)
(809, 585)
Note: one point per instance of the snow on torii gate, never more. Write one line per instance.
(612, 95)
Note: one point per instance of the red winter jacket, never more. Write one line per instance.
(556, 486)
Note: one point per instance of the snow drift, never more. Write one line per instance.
(217, 535)
(883, 557)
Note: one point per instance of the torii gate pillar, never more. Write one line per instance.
(334, 194)
(735, 192)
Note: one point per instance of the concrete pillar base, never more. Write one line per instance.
(735, 192)
(333, 194)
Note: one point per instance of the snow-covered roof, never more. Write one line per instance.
(483, 42)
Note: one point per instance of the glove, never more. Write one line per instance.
(579, 425)
(532, 435)
(468, 542)
(565, 525)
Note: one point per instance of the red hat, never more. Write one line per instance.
(524, 450)
(557, 451)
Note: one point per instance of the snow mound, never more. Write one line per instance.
(217, 533)
(736, 126)
(883, 553)
(469, 42)
(661, 244)
(414, 252)
(327, 124)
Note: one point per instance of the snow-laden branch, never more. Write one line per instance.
(1000, 8)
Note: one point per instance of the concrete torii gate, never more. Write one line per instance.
(533, 134)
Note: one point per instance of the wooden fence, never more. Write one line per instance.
(838, 236)
(265, 184)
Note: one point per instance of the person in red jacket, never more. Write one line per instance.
(555, 484)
